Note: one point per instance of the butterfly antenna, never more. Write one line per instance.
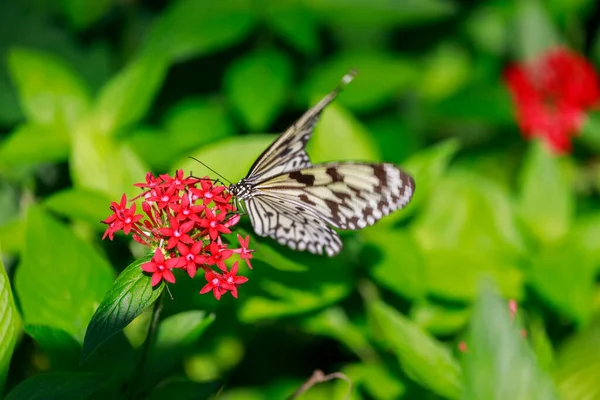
(210, 169)
(346, 79)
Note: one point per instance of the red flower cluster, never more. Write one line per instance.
(552, 95)
(184, 222)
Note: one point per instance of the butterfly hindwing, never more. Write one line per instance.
(292, 225)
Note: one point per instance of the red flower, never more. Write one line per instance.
(231, 281)
(191, 257)
(183, 232)
(218, 254)
(214, 284)
(160, 268)
(243, 251)
(552, 95)
(177, 233)
(214, 223)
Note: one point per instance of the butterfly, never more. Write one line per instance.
(298, 203)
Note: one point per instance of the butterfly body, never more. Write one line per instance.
(298, 203)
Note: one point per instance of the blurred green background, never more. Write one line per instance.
(95, 93)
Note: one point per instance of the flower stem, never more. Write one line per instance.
(146, 346)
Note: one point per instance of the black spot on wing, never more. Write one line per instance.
(334, 174)
(299, 177)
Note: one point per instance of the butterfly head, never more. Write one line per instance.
(241, 190)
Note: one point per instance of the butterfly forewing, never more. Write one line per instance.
(287, 152)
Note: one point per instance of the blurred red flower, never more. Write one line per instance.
(552, 95)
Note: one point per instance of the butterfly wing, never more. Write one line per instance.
(287, 152)
(343, 195)
(292, 225)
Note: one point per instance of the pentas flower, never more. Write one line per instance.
(552, 94)
(184, 221)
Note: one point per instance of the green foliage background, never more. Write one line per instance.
(95, 93)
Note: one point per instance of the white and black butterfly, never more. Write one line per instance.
(299, 204)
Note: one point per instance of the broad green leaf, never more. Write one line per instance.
(33, 143)
(396, 262)
(256, 85)
(421, 356)
(182, 389)
(296, 24)
(285, 293)
(338, 136)
(268, 255)
(427, 168)
(540, 343)
(455, 273)
(174, 339)
(82, 13)
(61, 278)
(126, 98)
(471, 213)
(499, 364)
(444, 72)
(439, 319)
(584, 234)
(10, 324)
(565, 268)
(190, 28)
(335, 323)
(50, 92)
(100, 163)
(533, 32)
(578, 364)
(547, 202)
(381, 77)
(59, 385)
(81, 204)
(377, 380)
(382, 13)
(11, 236)
(244, 149)
(131, 293)
(59, 346)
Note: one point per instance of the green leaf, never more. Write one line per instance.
(100, 163)
(50, 92)
(59, 385)
(130, 295)
(468, 212)
(381, 77)
(377, 380)
(339, 136)
(256, 85)
(397, 264)
(34, 143)
(182, 389)
(439, 319)
(422, 357)
(190, 28)
(218, 155)
(10, 324)
(498, 363)
(296, 24)
(534, 32)
(80, 204)
(61, 278)
(445, 71)
(175, 337)
(81, 14)
(11, 236)
(126, 98)
(60, 347)
(427, 168)
(334, 323)
(383, 13)
(547, 202)
(552, 280)
(578, 364)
